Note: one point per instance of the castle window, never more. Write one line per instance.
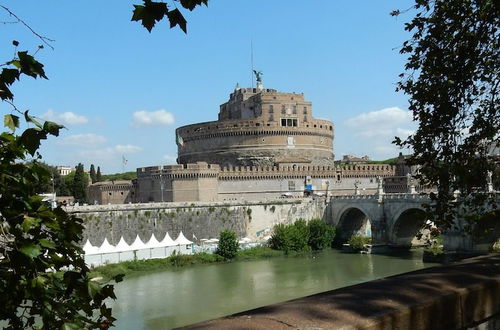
(294, 109)
(289, 122)
(283, 122)
(109, 194)
(283, 110)
(291, 185)
(331, 128)
(271, 109)
(305, 118)
(271, 118)
(305, 110)
(257, 124)
(294, 122)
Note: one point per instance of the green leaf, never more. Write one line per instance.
(93, 288)
(29, 66)
(52, 128)
(31, 250)
(31, 119)
(31, 139)
(70, 326)
(11, 121)
(47, 244)
(149, 13)
(175, 17)
(29, 223)
(191, 4)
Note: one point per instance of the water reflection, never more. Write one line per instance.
(168, 299)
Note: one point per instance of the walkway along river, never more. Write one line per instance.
(169, 299)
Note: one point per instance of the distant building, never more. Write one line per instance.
(64, 170)
(348, 159)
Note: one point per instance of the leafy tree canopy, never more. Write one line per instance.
(452, 77)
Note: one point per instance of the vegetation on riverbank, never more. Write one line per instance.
(302, 236)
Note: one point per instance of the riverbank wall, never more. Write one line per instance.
(196, 220)
(457, 296)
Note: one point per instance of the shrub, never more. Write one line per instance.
(294, 237)
(357, 242)
(228, 244)
(436, 246)
(321, 234)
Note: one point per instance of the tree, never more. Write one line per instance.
(80, 183)
(43, 276)
(228, 245)
(98, 177)
(453, 78)
(321, 234)
(93, 176)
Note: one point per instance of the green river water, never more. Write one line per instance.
(167, 299)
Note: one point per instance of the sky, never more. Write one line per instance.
(121, 91)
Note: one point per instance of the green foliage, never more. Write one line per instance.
(151, 12)
(258, 252)
(436, 246)
(228, 244)
(302, 236)
(119, 176)
(357, 242)
(98, 175)
(80, 183)
(93, 174)
(321, 234)
(53, 182)
(452, 78)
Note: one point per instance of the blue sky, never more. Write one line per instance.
(120, 90)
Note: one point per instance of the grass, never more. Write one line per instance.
(138, 267)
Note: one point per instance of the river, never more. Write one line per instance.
(173, 298)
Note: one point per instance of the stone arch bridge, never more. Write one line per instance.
(392, 219)
(397, 219)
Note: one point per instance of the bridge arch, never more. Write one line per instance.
(408, 228)
(353, 220)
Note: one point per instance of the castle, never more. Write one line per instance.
(265, 144)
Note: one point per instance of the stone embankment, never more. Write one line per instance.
(464, 295)
(196, 220)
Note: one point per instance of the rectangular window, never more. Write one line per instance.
(291, 185)
(289, 122)
(294, 109)
(283, 122)
(294, 122)
(271, 109)
(271, 118)
(283, 110)
(305, 110)
(305, 118)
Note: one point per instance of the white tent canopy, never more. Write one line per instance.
(167, 241)
(88, 248)
(106, 247)
(138, 244)
(182, 240)
(153, 242)
(122, 246)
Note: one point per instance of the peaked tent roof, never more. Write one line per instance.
(88, 248)
(182, 240)
(167, 241)
(106, 247)
(138, 244)
(122, 246)
(153, 242)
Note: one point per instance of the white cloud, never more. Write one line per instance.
(385, 122)
(372, 133)
(65, 118)
(127, 149)
(82, 140)
(109, 153)
(152, 118)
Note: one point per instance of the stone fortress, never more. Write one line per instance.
(265, 144)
